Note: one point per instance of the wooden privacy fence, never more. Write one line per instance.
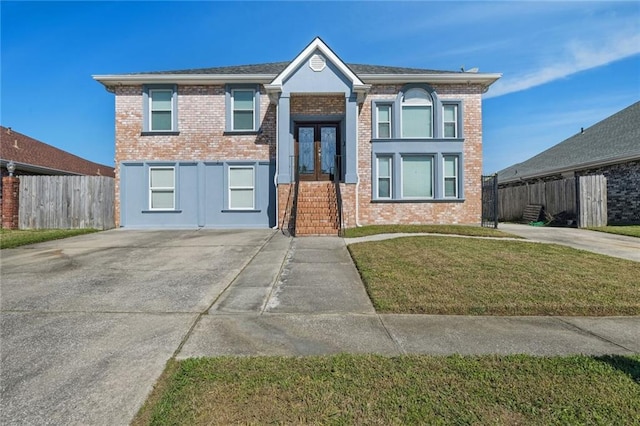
(66, 202)
(556, 196)
(585, 201)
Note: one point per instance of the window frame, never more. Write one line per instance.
(230, 89)
(231, 188)
(147, 99)
(162, 188)
(456, 120)
(378, 121)
(455, 177)
(234, 109)
(389, 158)
(407, 104)
(432, 191)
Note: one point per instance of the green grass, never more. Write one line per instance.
(16, 238)
(369, 389)
(443, 275)
(474, 231)
(630, 230)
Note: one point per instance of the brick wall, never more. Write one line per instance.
(623, 189)
(317, 104)
(10, 205)
(201, 123)
(467, 212)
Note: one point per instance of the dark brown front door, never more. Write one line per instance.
(316, 150)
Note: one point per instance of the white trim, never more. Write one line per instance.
(162, 188)
(484, 79)
(252, 188)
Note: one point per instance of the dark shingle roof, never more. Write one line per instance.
(614, 138)
(275, 68)
(24, 150)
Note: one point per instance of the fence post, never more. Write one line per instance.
(10, 197)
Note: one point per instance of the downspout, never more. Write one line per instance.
(357, 171)
(275, 175)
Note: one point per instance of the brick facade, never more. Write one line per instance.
(467, 212)
(201, 126)
(202, 137)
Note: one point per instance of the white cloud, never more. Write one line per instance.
(574, 58)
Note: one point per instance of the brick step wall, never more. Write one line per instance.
(316, 209)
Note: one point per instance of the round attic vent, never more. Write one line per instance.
(317, 62)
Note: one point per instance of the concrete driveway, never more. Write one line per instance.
(88, 323)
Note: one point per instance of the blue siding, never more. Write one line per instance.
(201, 190)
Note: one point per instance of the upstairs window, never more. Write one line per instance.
(416, 114)
(243, 109)
(384, 121)
(160, 108)
(450, 120)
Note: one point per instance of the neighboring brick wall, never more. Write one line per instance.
(467, 212)
(623, 189)
(10, 202)
(201, 123)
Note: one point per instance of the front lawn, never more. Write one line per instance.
(631, 230)
(443, 275)
(16, 238)
(369, 389)
(473, 231)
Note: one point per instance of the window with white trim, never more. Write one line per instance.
(417, 176)
(416, 114)
(161, 110)
(383, 118)
(243, 107)
(450, 174)
(385, 173)
(241, 188)
(450, 120)
(162, 188)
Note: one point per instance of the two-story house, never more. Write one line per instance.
(309, 145)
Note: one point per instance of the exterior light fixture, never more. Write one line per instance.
(11, 167)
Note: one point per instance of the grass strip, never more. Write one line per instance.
(630, 231)
(418, 389)
(473, 231)
(441, 275)
(16, 238)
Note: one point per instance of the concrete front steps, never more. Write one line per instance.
(316, 209)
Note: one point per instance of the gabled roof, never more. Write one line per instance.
(613, 140)
(31, 155)
(268, 73)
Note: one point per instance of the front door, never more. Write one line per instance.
(316, 150)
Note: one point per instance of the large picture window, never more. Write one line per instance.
(416, 114)
(241, 188)
(161, 188)
(417, 176)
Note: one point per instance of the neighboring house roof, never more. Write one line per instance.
(31, 155)
(266, 73)
(615, 139)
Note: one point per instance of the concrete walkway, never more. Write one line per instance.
(303, 296)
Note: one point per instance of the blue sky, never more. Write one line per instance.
(565, 65)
